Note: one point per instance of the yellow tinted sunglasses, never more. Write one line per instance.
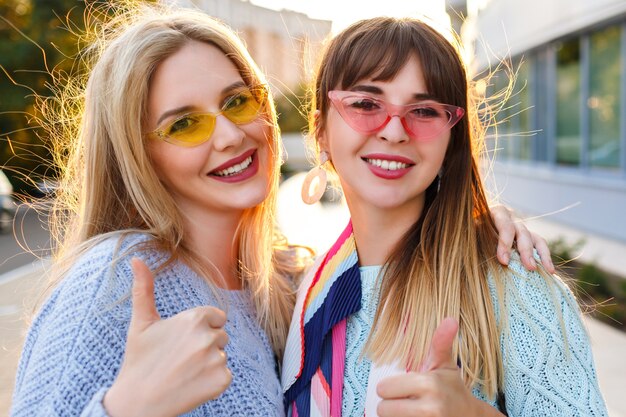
(193, 129)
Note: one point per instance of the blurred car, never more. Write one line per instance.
(7, 205)
(45, 188)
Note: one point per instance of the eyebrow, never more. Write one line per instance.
(187, 108)
(364, 88)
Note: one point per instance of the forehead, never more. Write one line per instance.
(409, 78)
(195, 75)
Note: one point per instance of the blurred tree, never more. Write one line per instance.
(35, 40)
(291, 108)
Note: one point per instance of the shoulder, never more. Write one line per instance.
(546, 354)
(531, 290)
(539, 307)
(102, 269)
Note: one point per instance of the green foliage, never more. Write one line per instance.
(623, 289)
(292, 110)
(603, 292)
(593, 275)
(563, 251)
(36, 41)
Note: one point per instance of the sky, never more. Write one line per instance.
(344, 12)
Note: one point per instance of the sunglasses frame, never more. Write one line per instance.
(337, 96)
(260, 93)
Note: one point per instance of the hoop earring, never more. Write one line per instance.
(315, 181)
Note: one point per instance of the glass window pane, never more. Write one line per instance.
(503, 117)
(525, 135)
(603, 102)
(568, 140)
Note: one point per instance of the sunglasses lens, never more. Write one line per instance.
(427, 121)
(191, 129)
(363, 114)
(244, 107)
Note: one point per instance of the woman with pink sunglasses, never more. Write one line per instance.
(409, 313)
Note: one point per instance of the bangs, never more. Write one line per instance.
(380, 48)
(392, 49)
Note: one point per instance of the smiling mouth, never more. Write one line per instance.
(385, 164)
(234, 169)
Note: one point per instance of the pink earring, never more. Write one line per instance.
(315, 181)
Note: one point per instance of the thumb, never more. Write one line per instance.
(144, 309)
(440, 354)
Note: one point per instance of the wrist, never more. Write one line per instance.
(483, 409)
(121, 401)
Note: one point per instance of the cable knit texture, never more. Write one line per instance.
(544, 374)
(75, 346)
(358, 367)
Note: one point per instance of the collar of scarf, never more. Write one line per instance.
(315, 353)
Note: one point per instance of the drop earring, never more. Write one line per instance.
(315, 181)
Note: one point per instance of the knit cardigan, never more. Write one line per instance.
(75, 346)
(545, 373)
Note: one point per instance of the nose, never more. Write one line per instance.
(226, 134)
(393, 131)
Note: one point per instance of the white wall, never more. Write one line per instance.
(510, 27)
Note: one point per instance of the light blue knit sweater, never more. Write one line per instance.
(75, 346)
(543, 376)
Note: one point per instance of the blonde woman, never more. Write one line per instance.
(176, 164)
(409, 313)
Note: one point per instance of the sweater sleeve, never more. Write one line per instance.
(75, 346)
(547, 358)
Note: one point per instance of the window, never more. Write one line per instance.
(523, 120)
(604, 98)
(568, 139)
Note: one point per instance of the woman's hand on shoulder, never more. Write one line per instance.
(512, 230)
(170, 366)
(437, 390)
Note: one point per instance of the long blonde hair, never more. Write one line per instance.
(440, 267)
(108, 183)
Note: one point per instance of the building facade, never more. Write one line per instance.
(561, 135)
(283, 43)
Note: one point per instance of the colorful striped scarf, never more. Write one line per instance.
(334, 293)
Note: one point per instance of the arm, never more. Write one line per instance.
(548, 363)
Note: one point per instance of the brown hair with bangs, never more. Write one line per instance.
(440, 267)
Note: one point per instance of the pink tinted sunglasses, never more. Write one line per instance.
(367, 115)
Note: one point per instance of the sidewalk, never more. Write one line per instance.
(609, 352)
(17, 298)
(607, 254)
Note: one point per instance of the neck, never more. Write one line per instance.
(211, 236)
(377, 231)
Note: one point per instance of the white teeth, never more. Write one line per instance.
(388, 165)
(235, 169)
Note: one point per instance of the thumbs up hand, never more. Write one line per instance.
(437, 390)
(170, 366)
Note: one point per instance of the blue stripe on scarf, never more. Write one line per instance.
(343, 299)
(347, 263)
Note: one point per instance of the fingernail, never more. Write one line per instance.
(532, 262)
(507, 257)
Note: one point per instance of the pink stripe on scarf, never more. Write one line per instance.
(319, 395)
(339, 363)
